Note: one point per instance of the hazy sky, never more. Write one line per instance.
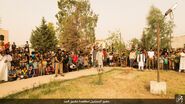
(128, 16)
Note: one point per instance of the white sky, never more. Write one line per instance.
(129, 16)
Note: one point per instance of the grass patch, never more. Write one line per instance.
(116, 83)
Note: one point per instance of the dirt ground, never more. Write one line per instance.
(117, 83)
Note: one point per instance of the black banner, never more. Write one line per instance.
(92, 101)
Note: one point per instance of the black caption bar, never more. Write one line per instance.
(89, 101)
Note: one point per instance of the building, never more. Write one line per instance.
(5, 33)
(178, 42)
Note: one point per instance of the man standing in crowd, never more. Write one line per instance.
(132, 57)
(13, 47)
(151, 59)
(104, 57)
(161, 61)
(141, 60)
(182, 60)
(172, 60)
(5, 65)
(58, 63)
(7, 46)
(75, 59)
(123, 60)
(94, 52)
(9, 59)
(26, 47)
(99, 58)
(111, 59)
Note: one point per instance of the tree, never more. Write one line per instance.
(144, 41)
(114, 42)
(76, 24)
(43, 38)
(135, 43)
(149, 34)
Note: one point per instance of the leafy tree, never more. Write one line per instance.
(76, 24)
(114, 42)
(144, 40)
(154, 19)
(135, 43)
(43, 38)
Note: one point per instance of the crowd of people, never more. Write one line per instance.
(168, 59)
(19, 63)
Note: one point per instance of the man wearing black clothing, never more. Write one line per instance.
(65, 62)
(26, 48)
(59, 63)
(13, 47)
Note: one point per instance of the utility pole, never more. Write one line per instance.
(158, 39)
(158, 52)
(159, 87)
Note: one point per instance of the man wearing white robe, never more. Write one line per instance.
(182, 61)
(5, 64)
(141, 61)
(99, 58)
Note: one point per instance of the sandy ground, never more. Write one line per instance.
(9, 88)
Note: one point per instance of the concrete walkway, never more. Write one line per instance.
(13, 87)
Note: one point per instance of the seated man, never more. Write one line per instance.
(73, 66)
(12, 74)
(30, 71)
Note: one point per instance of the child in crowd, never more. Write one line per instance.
(18, 73)
(166, 61)
(30, 71)
(161, 62)
(35, 67)
(90, 60)
(172, 61)
(44, 66)
(24, 73)
(86, 61)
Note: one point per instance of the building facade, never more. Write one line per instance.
(178, 42)
(5, 33)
